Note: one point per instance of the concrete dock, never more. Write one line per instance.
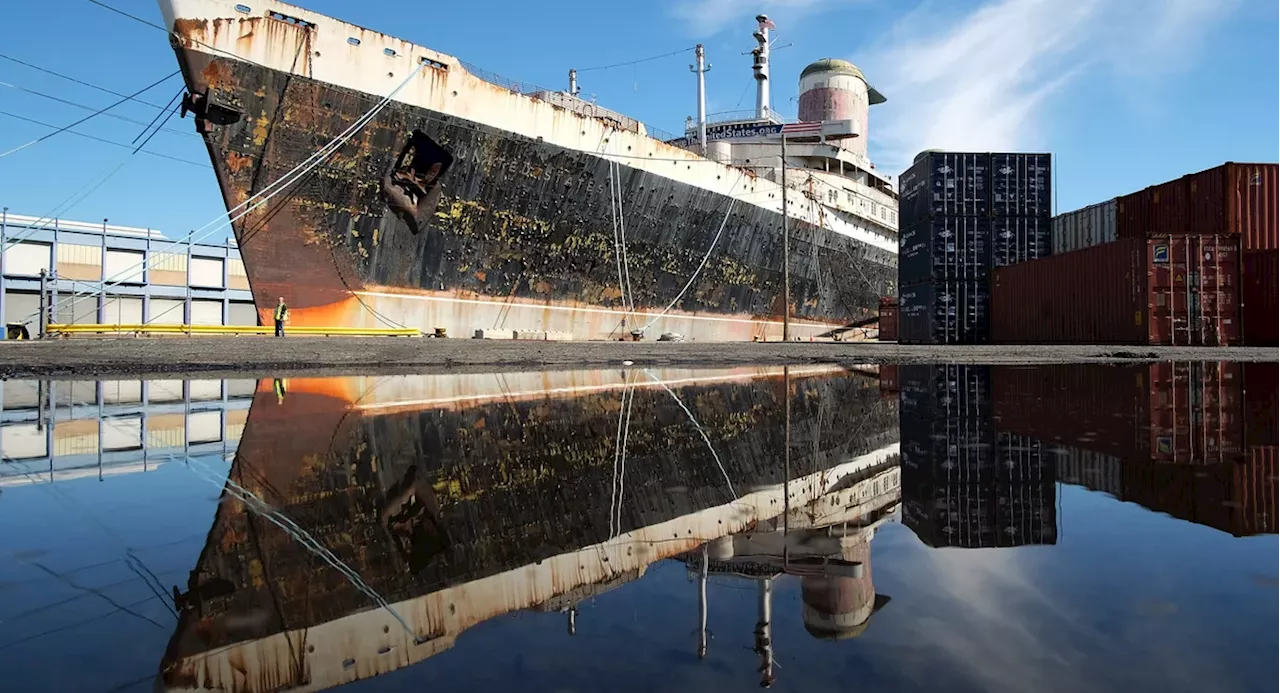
(263, 356)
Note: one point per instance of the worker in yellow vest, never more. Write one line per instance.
(282, 314)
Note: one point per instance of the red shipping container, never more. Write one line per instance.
(1255, 492)
(888, 319)
(1186, 412)
(1232, 199)
(1169, 290)
(1236, 199)
(1199, 494)
(888, 380)
(1158, 210)
(1259, 302)
(1260, 396)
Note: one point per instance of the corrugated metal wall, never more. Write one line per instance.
(168, 269)
(206, 272)
(1082, 228)
(124, 266)
(237, 277)
(167, 311)
(26, 259)
(22, 441)
(121, 311)
(206, 312)
(79, 262)
(242, 314)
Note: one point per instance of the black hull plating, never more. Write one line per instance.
(510, 217)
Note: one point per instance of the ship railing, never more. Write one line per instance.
(530, 89)
(511, 85)
(744, 116)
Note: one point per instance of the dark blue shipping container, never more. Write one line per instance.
(944, 248)
(950, 183)
(944, 390)
(1020, 185)
(944, 313)
(988, 514)
(961, 449)
(1018, 239)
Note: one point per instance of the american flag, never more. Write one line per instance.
(802, 128)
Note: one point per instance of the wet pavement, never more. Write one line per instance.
(914, 527)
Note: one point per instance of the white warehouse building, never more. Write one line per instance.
(149, 278)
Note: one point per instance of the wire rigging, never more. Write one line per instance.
(606, 67)
(103, 140)
(88, 189)
(705, 257)
(73, 79)
(253, 202)
(99, 112)
(83, 107)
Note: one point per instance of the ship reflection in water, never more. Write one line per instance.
(1056, 528)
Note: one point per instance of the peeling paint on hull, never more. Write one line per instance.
(518, 232)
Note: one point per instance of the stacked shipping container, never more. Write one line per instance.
(964, 485)
(1229, 210)
(1169, 290)
(1084, 228)
(888, 319)
(1194, 440)
(960, 215)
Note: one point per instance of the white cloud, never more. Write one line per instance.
(982, 81)
(708, 17)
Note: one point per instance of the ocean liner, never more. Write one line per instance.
(373, 182)
(417, 508)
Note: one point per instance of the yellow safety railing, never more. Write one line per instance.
(140, 329)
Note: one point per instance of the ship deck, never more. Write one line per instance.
(271, 357)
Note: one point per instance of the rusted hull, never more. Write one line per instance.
(422, 494)
(434, 221)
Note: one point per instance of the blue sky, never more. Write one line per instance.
(1125, 93)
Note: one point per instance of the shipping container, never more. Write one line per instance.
(1082, 228)
(985, 515)
(1232, 199)
(1093, 470)
(943, 313)
(1260, 400)
(1156, 210)
(956, 450)
(950, 183)
(889, 380)
(1021, 185)
(888, 319)
(1018, 239)
(1259, 302)
(945, 390)
(1171, 290)
(1256, 491)
(1174, 412)
(1199, 494)
(944, 248)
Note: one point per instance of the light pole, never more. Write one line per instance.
(786, 250)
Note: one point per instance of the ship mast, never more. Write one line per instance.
(760, 65)
(701, 68)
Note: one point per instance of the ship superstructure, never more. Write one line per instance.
(376, 183)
